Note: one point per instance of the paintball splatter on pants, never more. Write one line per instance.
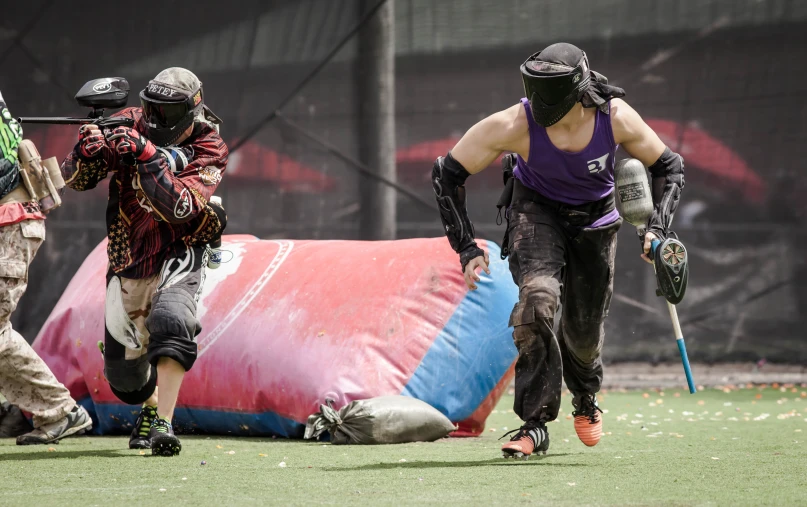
(554, 258)
(25, 379)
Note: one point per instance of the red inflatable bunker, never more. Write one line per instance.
(287, 324)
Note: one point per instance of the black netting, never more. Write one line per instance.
(708, 75)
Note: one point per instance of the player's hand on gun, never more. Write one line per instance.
(470, 270)
(91, 141)
(131, 146)
(648, 238)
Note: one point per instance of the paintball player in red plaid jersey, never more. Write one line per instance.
(159, 222)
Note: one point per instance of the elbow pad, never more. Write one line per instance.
(667, 175)
(448, 182)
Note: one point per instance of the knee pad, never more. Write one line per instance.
(173, 327)
(132, 381)
(173, 314)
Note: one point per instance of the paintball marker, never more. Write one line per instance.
(670, 260)
(98, 94)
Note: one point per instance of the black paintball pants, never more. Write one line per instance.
(555, 256)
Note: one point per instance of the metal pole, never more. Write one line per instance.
(375, 99)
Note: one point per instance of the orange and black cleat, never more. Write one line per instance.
(587, 419)
(528, 440)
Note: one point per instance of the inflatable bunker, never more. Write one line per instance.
(288, 324)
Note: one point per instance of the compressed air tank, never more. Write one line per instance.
(633, 198)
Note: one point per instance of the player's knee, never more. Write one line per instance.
(132, 381)
(540, 294)
(533, 315)
(173, 327)
(174, 315)
(587, 355)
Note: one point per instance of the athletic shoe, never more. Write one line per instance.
(77, 422)
(139, 439)
(587, 419)
(528, 439)
(163, 440)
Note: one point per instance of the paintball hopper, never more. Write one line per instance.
(107, 92)
(97, 94)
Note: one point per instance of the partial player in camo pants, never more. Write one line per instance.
(25, 379)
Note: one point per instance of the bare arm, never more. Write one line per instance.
(633, 134)
(506, 130)
(666, 167)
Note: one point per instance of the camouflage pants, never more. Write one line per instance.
(25, 379)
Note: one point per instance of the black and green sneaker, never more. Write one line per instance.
(163, 440)
(139, 439)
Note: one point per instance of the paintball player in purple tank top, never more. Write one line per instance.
(562, 225)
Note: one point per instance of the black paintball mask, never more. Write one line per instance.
(169, 110)
(557, 78)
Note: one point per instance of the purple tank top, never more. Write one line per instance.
(570, 177)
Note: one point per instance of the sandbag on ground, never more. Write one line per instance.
(382, 420)
(289, 324)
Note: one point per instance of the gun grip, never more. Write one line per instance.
(653, 245)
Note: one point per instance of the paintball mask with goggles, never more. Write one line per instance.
(554, 80)
(169, 109)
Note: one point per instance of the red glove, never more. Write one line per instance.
(90, 142)
(131, 146)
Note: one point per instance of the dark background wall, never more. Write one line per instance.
(727, 74)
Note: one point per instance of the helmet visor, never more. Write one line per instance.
(162, 114)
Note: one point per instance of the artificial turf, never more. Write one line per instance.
(721, 446)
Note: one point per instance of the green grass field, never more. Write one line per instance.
(741, 447)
